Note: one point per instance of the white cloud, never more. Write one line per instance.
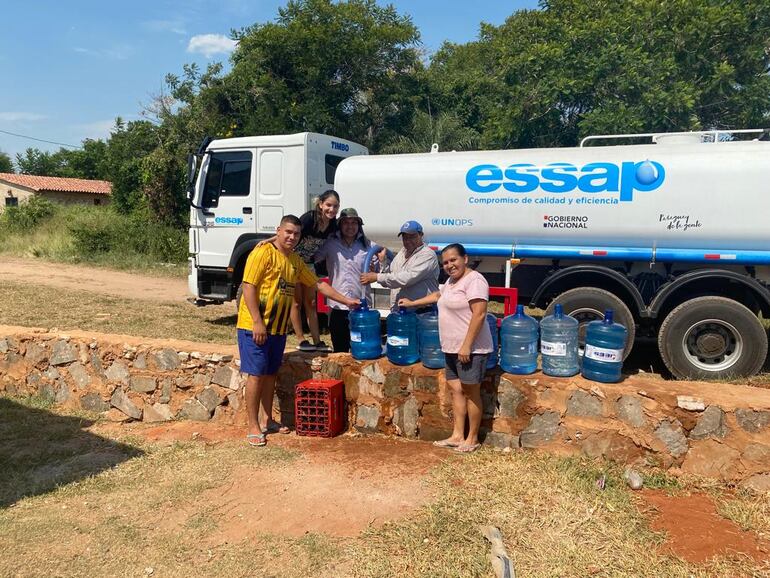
(98, 129)
(20, 116)
(117, 52)
(211, 44)
(175, 26)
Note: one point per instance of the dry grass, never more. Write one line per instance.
(114, 522)
(749, 511)
(41, 306)
(554, 519)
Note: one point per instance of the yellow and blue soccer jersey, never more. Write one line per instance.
(274, 275)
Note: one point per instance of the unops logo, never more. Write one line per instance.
(626, 178)
(451, 222)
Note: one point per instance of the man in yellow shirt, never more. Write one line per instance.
(272, 270)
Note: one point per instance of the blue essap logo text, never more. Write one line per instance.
(229, 220)
(625, 179)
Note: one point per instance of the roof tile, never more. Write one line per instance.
(58, 184)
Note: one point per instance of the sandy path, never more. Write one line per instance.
(95, 279)
(338, 486)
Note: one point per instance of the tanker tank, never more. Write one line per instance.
(643, 202)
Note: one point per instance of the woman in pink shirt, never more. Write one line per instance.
(465, 340)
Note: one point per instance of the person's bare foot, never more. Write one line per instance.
(448, 443)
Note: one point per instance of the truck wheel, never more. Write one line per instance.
(712, 338)
(238, 295)
(588, 304)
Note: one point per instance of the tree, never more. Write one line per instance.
(6, 165)
(445, 129)
(128, 144)
(574, 67)
(87, 162)
(344, 68)
(36, 162)
(163, 186)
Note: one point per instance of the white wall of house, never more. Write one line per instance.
(12, 194)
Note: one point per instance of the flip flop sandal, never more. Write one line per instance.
(446, 444)
(321, 347)
(306, 346)
(467, 449)
(259, 439)
(276, 428)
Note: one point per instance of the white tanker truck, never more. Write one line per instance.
(672, 235)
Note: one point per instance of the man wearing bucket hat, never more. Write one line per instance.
(344, 254)
(413, 272)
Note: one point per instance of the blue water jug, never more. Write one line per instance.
(402, 344)
(365, 332)
(559, 344)
(603, 355)
(518, 343)
(492, 359)
(430, 347)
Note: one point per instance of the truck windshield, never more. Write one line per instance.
(228, 175)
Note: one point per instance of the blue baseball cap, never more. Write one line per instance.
(410, 227)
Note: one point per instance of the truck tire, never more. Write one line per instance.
(712, 338)
(588, 304)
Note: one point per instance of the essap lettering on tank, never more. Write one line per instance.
(625, 178)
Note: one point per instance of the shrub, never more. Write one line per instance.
(93, 234)
(100, 232)
(28, 214)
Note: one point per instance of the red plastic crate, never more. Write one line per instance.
(318, 407)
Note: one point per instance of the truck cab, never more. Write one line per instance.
(242, 190)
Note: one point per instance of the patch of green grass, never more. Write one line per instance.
(94, 235)
(660, 480)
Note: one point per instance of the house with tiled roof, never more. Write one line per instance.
(15, 189)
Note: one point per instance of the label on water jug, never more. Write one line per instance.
(553, 348)
(529, 348)
(397, 341)
(355, 336)
(602, 354)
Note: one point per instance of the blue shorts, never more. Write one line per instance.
(262, 359)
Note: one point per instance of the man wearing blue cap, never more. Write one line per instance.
(413, 272)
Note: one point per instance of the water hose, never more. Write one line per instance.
(370, 253)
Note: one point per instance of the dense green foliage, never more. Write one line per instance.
(27, 215)
(85, 233)
(355, 69)
(6, 164)
(549, 77)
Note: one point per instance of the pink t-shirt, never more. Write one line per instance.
(454, 313)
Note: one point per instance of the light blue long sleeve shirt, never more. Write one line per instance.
(344, 263)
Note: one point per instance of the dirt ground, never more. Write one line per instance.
(338, 486)
(695, 531)
(96, 279)
(344, 485)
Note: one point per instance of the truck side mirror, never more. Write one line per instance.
(192, 166)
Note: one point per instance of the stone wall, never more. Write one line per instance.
(716, 430)
(125, 379)
(711, 429)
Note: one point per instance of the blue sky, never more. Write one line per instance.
(70, 67)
